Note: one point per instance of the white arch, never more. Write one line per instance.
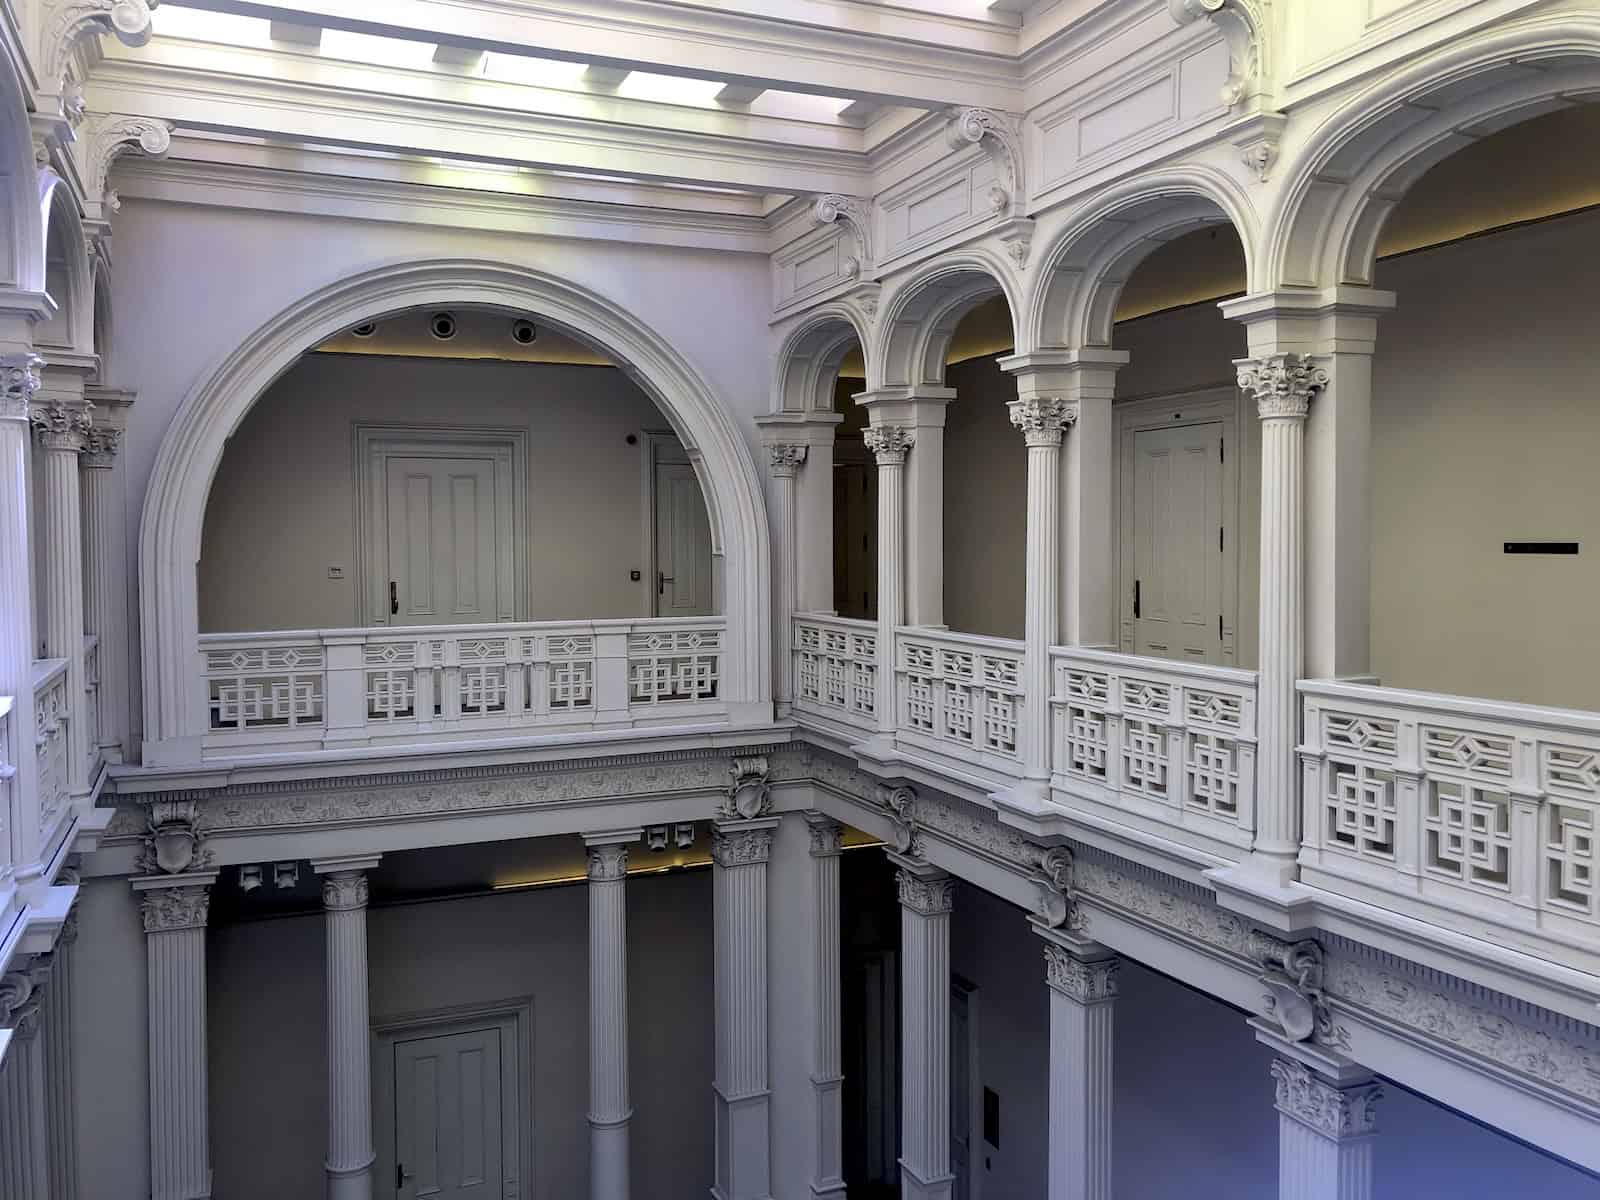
(1359, 163)
(190, 452)
(808, 361)
(22, 231)
(1082, 272)
(59, 218)
(912, 340)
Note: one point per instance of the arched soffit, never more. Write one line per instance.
(100, 308)
(919, 318)
(21, 222)
(65, 257)
(1083, 270)
(191, 450)
(808, 361)
(1360, 162)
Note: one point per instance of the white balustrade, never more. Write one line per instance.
(961, 695)
(10, 797)
(315, 688)
(1166, 745)
(51, 714)
(836, 669)
(1452, 808)
(91, 700)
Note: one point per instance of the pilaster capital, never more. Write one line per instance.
(1043, 419)
(61, 425)
(344, 891)
(101, 448)
(608, 862)
(1282, 384)
(928, 893)
(742, 844)
(889, 444)
(785, 458)
(1335, 1112)
(1085, 980)
(827, 835)
(19, 382)
(167, 908)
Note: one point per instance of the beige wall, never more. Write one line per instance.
(283, 505)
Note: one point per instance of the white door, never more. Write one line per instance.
(962, 1150)
(442, 561)
(1177, 542)
(447, 1117)
(683, 544)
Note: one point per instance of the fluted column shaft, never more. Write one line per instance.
(60, 1069)
(19, 381)
(785, 459)
(1326, 1134)
(890, 445)
(61, 424)
(105, 580)
(925, 902)
(24, 1125)
(344, 905)
(609, 1104)
(827, 1078)
(174, 909)
(741, 850)
(1082, 977)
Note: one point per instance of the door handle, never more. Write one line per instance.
(661, 583)
(1135, 599)
(399, 1176)
(394, 598)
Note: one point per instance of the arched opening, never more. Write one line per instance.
(717, 662)
(67, 281)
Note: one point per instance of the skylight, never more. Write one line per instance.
(380, 51)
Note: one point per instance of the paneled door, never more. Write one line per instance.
(442, 566)
(1178, 542)
(683, 543)
(448, 1123)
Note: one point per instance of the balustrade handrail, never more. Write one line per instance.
(961, 641)
(1502, 711)
(600, 624)
(856, 624)
(45, 671)
(1177, 668)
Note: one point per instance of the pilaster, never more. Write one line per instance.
(922, 413)
(1082, 977)
(1327, 1132)
(784, 460)
(827, 1078)
(344, 905)
(813, 519)
(105, 566)
(60, 1072)
(925, 901)
(890, 445)
(609, 1105)
(24, 1133)
(19, 384)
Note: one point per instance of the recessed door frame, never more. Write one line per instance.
(1198, 406)
(514, 1018)
(375, 444)
(662, 446)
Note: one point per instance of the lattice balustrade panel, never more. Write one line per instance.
(1571, 779)
(969, 696)
(835, 669)
(571, 679)
(1144, 757)
(262, 687)
(671, 666)
(1214, 724)
(1086, 744)
(50, 715)
(391, 680)
(1360, 811)
(1467, 833)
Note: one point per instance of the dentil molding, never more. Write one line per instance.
(1334, 1112)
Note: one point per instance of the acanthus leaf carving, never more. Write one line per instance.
(741, 847)
(1334, 1112)
(1243, 25)
(66, 23)
(1281, 384)
(344, 891)
(901, 804)
(928, 895)
(827, 835)
(785, 458)
(1043, 419)
(889, 444)
(61, 426)
(999, 136)
(19, 383)
(1088, 981)
(832, 207)
(109, 136)
(1057, 906)
(170, 909)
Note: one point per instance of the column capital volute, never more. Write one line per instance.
(344, 880)
(1043, 420)
(742, 843)
(170, 903)
(1077, 967)
(1282, 385)
(827, 835)
(61, 424)
(889, 444)
(607, 854)
(19, 384)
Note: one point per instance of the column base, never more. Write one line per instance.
(350, 1183)
(914, 1187)
(608, 1160)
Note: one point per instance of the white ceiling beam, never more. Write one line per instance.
(738, 95)
(859, 112)
(959, 63)
(461, 58)
(295, 34)
(605, 79)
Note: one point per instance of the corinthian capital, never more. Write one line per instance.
(344, 891)
(101, 448)
(1043, 419)
(19, 381)
(1334, 1112)
(928, 895)
(1282, 384)
(785, 458)
(61, 426)
(1088, 981)
(608, 862)
(168, 909)
(889, 443)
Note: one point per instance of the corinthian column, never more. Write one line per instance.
(174, 909)
(19, 381)
(1326, 1133)
(740, 849)
(785, 459)
(1283, 386)
(827, 1079)
(890, 445)
(344, 904)
(60, 1073)
(24, 1132)
(1083, 986)
(61, 424)
(925, 900)
(609, 1104)
(105, 564)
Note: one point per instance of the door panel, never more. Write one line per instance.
(1177, 547)
(961, 1066)
(442, 522)
(683, 544)
(447, 1116)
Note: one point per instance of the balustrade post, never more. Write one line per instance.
(345, 705)
(19, 383)
(611, 686)
(890, 445)
(105, 568)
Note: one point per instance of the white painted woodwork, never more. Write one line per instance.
(448, 1126)
(925, 897)
(682, 543)
(961, 696)
(836, 669)
(350, 1150)
(443, 536)
(784, 462)
(965, 1132)
(1177, 549)
(609, 1106)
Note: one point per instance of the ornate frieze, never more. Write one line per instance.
(1001, 138)
(608, 863)
(61, 426)
(889, 444)
(101, 448)
(827, 835)
(1281, 384)
(926, 894)
(785, 458)
(1043, 419)
(741, 847)
(1334, 1112)
(749, 795)
(1091, 981)
(167, 909)
(19, 382)
(344, 891)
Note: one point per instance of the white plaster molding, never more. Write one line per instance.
(926, 894)
(900, 802)
(1243, 24)
(1335, 1112)
(1282, 385)
(608, 862)
(1043, 419)
(735, 847)
(1292, 973)
(19, 383)
(60, 425)
(182, 906)
(889, 444)
(101, 447)
(857, 214)
(785, 458)
(107, 137)
(748, 795)
(67, 23)
(1000, 136)
(1085, 981)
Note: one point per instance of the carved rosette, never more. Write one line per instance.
(608, 863)
(1282, 384)
(785, 459)
(169, 909)
(19, 381)
(101, 448)
(928, 895)
(60, 426)
(889, 443)
(748, 795)
(1091, 981)
(1334, 1112)
(741, 847)
(344, 891)
(1043, 419)
(827, 835)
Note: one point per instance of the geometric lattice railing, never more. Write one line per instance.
(1170, 743)
(51, 713)
(365, 686)
(1443, 802)
(960, 694)
(836, 669)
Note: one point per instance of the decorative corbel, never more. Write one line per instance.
(174, 842)
(749, 795)
(901, 804)
(66, 23)
(831, 208)
(1001, 139)
(1292, 973)
(1258, 143)
(1243, 25)
(106, 137)
(1057, 905)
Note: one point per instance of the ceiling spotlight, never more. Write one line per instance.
(524, 332)
(249, 878)
(683, 835)
(365, 330)
(442, 326)
(656, 838)
(286, 874)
